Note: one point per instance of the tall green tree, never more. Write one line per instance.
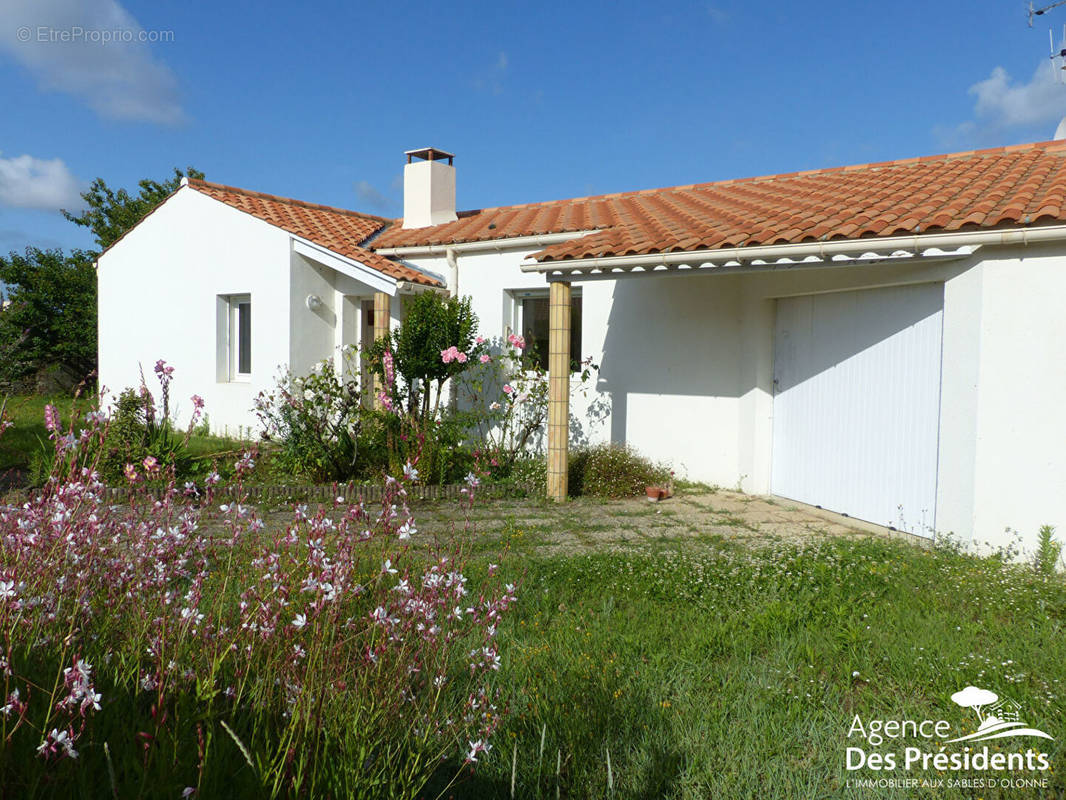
(109, 213)
(50, 317)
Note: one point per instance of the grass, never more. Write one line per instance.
(29, 436)
(18, 444)
(724, 672)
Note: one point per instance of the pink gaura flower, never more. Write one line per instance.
(151, 464)
(51, 418)
(131, 473)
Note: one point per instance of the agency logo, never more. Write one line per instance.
(1002, 721)
(910, 753)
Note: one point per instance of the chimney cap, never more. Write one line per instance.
(429, 154)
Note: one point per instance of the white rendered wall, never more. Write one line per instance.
(1020, 465)
(157, 299)
(158, 291)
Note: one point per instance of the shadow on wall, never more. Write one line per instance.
(836, 328)
(671, 336)
(684, 336)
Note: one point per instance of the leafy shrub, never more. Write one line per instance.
(529, 475)
(138, 438)
(611, 470)
(316, 422)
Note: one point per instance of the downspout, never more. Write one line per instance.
(453, 262)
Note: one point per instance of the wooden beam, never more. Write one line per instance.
(558, 388)
(382, 317)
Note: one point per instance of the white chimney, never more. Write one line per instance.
(428, 188)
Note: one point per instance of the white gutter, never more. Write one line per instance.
(410, 287)
(498, 245)
(914, 244)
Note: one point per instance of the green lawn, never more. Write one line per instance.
(28, 437)
(708, 672)
(18, 444)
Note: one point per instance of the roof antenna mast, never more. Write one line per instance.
(1057, 58)
(1037, 12)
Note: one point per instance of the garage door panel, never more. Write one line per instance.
(856, 408)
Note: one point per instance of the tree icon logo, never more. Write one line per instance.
(991, 726)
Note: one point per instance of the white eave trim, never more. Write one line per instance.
(917, 247)
(345, 266)
(498, 245)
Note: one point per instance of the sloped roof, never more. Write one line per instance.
(336, 229)
(1000, 187)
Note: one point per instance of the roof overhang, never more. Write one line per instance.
(355, 270)
(919, 248)
(484, 245)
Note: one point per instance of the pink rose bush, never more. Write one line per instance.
(507, 399)
(171, 644)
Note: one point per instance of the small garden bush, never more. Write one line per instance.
(611, 470)
(137, 433)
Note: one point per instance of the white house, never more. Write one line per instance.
(883, 340)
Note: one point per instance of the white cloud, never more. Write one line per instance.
(28, 182)
(369, 195)
(1002, 105)
(105, 61)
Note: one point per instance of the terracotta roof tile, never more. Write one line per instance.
(1016, 185)
(341, 231)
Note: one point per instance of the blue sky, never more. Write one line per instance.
(538, 100)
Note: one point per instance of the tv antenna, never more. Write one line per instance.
(1058, 57)
(1037, 12)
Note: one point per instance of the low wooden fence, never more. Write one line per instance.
(271, 494)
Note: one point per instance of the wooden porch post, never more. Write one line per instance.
(382, 317)
(558, 388)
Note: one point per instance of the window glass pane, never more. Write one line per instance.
(244, 338)
(535, 330)
(575, 333)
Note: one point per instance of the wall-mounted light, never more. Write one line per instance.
(314, 302)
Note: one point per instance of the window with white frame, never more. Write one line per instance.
(530, 320)
(235, 337)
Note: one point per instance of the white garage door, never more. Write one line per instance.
(857, 403)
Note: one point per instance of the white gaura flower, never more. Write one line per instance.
(300, 621)
(406, 530)
(410, 472)
(480, 746)
(7, 590)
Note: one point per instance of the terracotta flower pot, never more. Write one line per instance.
(655, 493)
